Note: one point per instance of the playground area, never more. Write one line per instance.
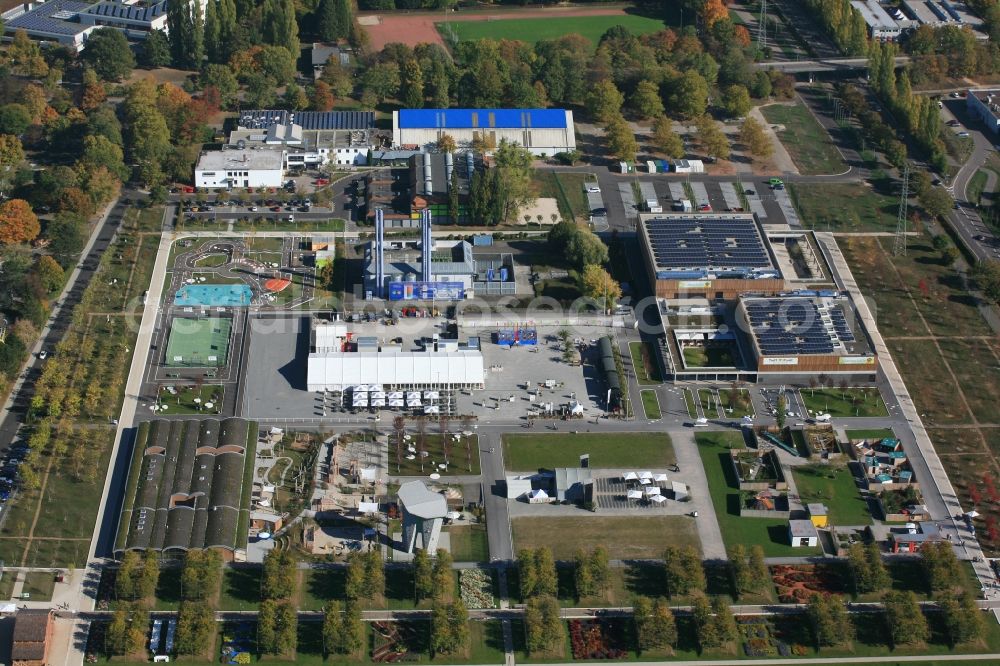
(201, 342)
(213, 295)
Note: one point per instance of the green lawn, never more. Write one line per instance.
(568, 191)
(846, 206)
(560, 289)
(806, 141)
(689, 402)
(38, 585)
(650, 404)
(708, 357)
(708, 403)
(771, 535)
(462, 456)
(469, 543)
(212, 261)
(637, 537)
(240, 589)
(538, 451)
(183, 401)
(743, 405)
(844, 402)
(832, 485)
(546, 28)
(646, 371)
(974, 190)
(872, 433)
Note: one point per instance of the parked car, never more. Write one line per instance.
(963, 134)
(593, 189)
(44, 354)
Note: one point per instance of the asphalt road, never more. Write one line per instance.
(20, 397)
(965, 220)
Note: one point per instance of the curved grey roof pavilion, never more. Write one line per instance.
(423, 514)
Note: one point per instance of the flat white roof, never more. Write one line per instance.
(246, 160)
(396, 369)
(875, 16)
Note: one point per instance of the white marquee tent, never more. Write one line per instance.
(334, 371)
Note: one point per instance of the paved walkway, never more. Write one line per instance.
(688, 459)
(782, 161)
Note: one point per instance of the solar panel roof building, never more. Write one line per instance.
(806, 332)
(542, 131)
(186, 487)
(714, 256)
(70, 22)
(56, 20)
(262, 119)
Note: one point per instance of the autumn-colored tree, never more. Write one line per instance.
(33, 98)
(742, 35)
(752, 136)
(49, 273)
(322, 97)
(92, 93)
(18, 223)
(599, 285)
(666, 139)
(101, 185)
(713, 11)
(76, 201)
(446, 143)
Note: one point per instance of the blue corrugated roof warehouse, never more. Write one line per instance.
(482, 118)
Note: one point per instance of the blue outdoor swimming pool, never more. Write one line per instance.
(213, 295)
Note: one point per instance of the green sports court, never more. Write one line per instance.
(198, 342)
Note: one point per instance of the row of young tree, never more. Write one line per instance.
(918, 114)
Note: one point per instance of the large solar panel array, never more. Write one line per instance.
(789, 327)
(688, 242)
(840, 325)
(43, 18)
(308, 120)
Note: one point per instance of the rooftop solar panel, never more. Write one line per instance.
(308, 120)
(794, 326)
(686, 242)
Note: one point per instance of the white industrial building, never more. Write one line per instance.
(541, 131)
(338, 361)
(985, 105)
(309, 138)
(227, 169)
(881, 26)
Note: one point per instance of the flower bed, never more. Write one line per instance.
(796, 583)
(476, 588)
(759, 640)
(591, 639)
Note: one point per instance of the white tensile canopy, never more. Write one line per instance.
(660, 478)
(635, 494)
(652, 490)
(659, 499)
(645, 475)
(630, 476)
